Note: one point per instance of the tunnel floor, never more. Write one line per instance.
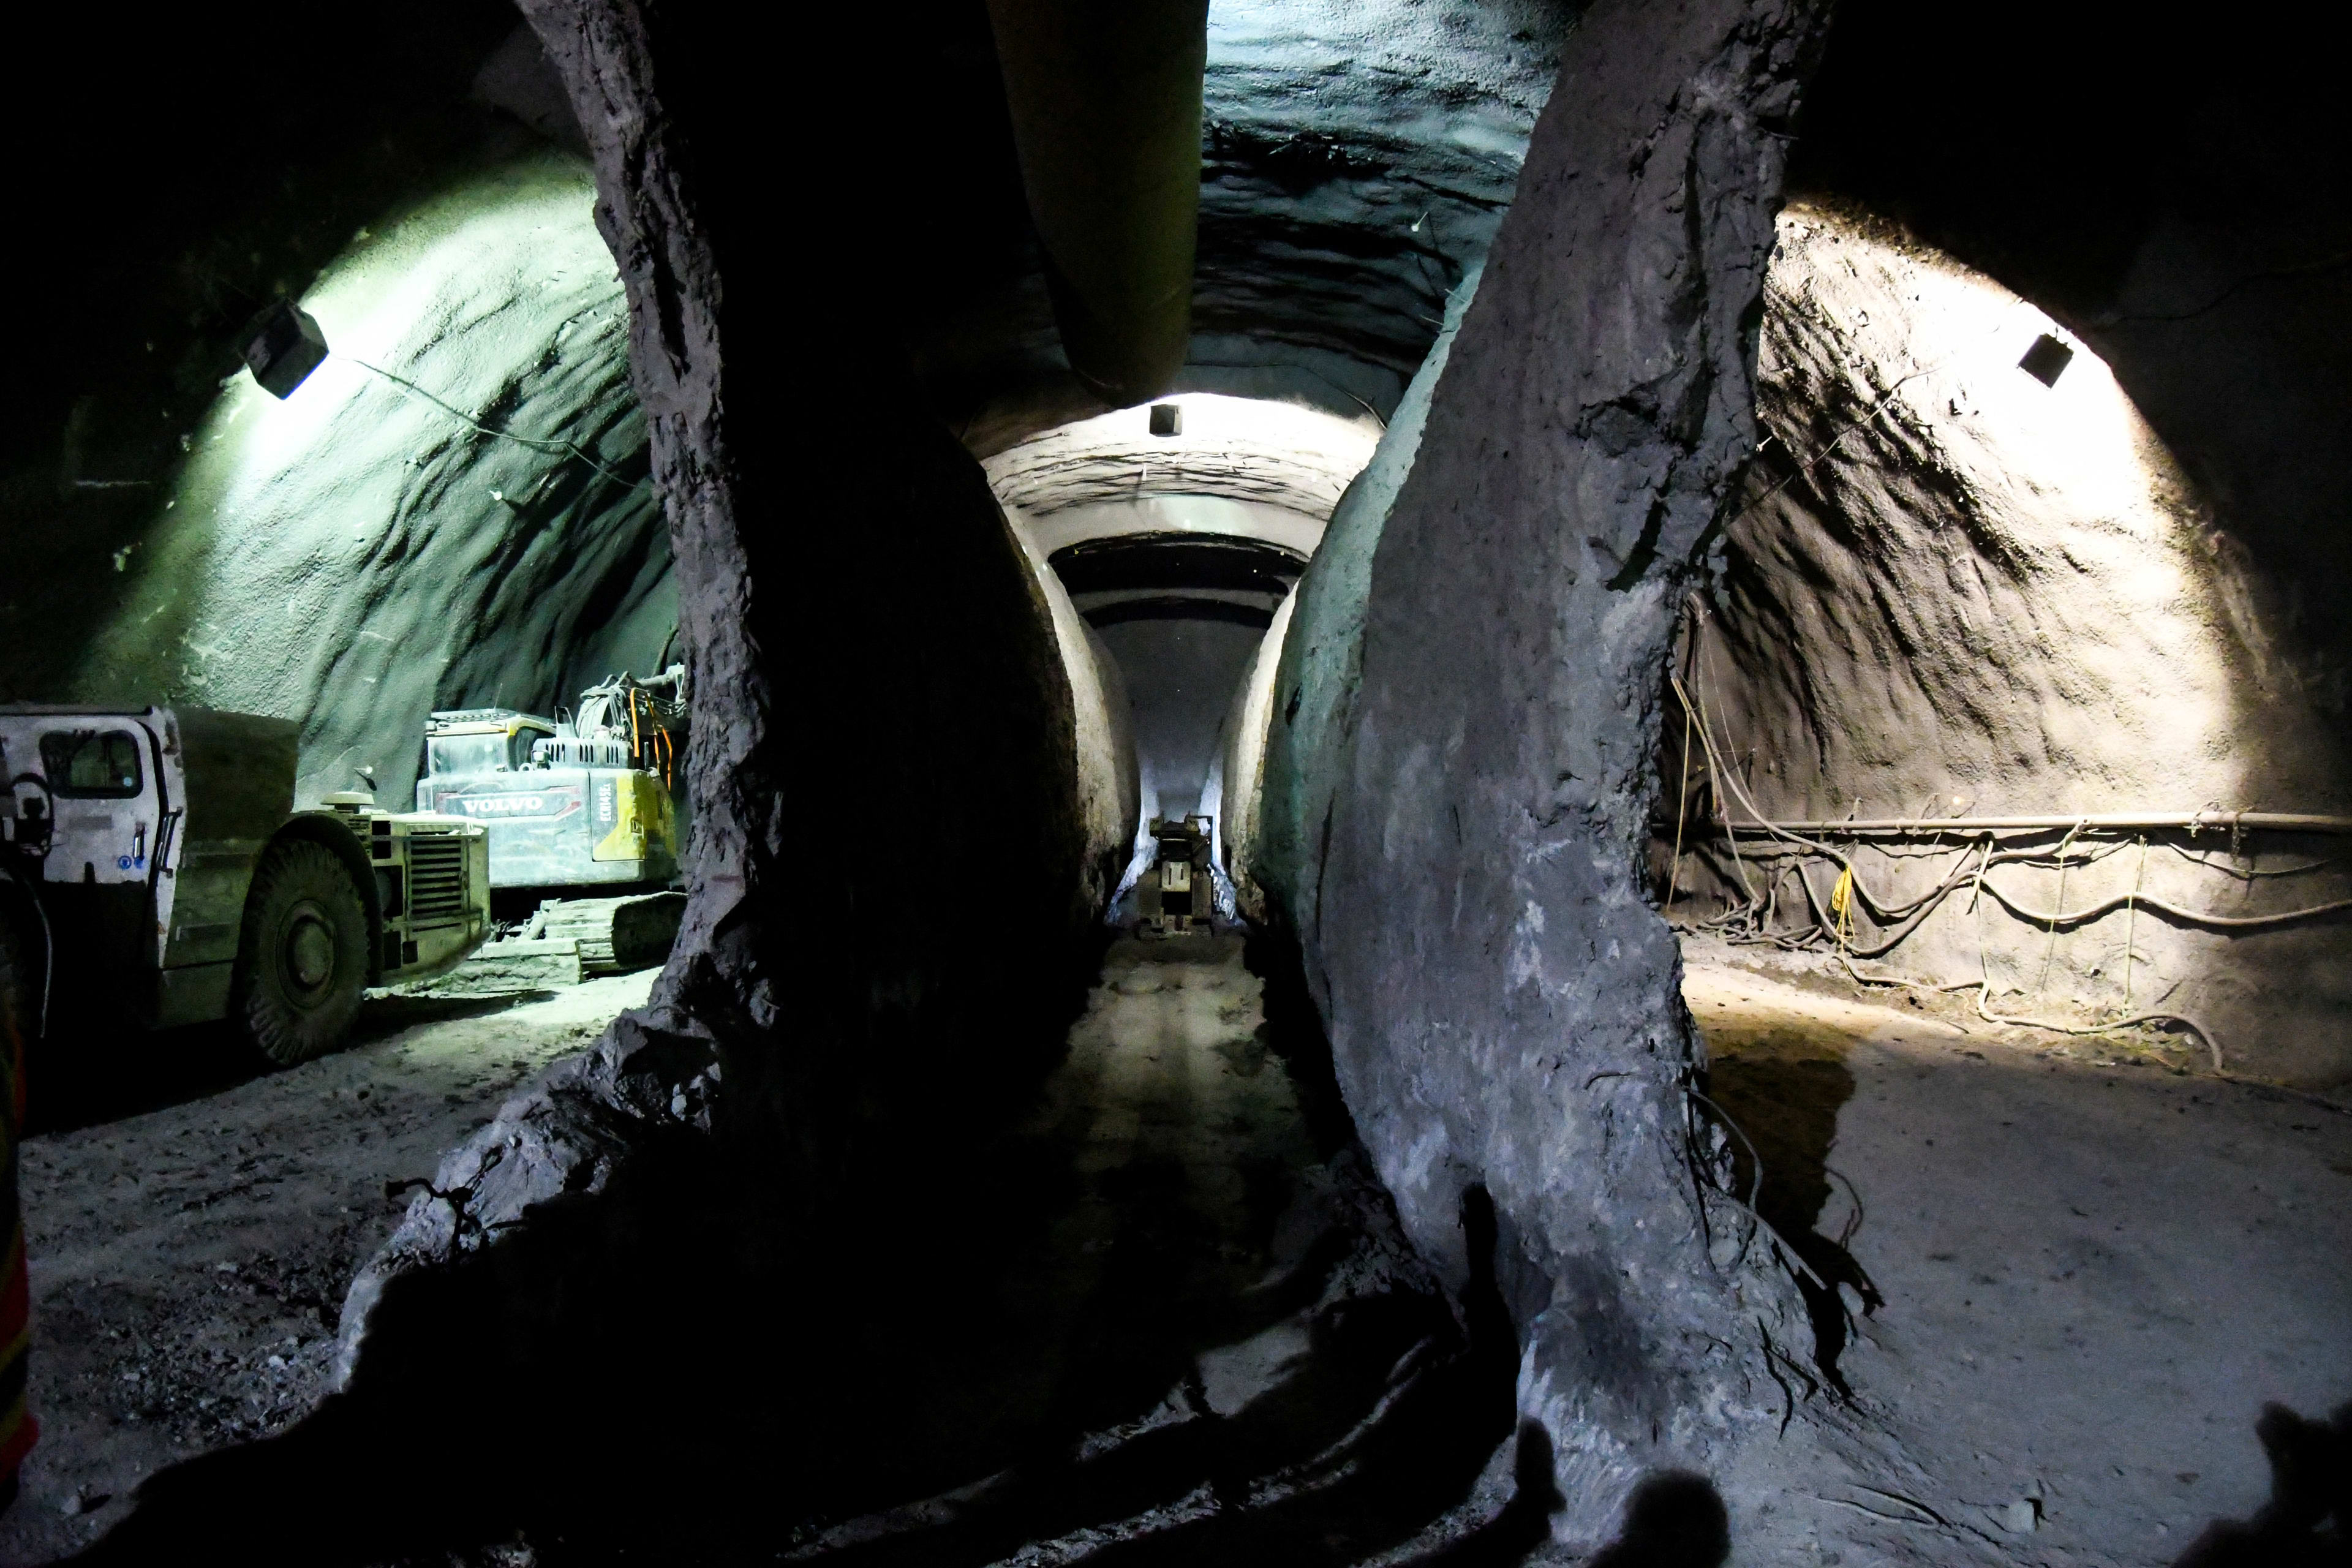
(2096, 1268)
(1208, 1342)
(192, 1222)
(1158, 1312)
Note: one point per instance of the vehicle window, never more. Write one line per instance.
(89, 764)
(466, 753)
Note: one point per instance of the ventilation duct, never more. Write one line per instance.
(1106, 115)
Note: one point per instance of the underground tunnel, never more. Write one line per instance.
(1426, 782)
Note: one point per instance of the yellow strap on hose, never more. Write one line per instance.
(1841, 906)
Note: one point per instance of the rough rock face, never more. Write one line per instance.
(364, 552)
(1502, 998)
(1951, 590)
(834, 667)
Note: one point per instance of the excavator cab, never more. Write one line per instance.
(579, 802)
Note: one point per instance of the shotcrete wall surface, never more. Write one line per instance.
(1237, 782)
(1257, 451)
(1108, 781)
(1951, 590)
(1322, 659)
(1292, 531)
(361, 552)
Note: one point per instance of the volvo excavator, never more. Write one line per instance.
(575, 806)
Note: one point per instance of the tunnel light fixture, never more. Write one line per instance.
(1167, 419)
(2047, 359)
(282, 346)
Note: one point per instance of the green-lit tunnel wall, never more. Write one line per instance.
(451, 511)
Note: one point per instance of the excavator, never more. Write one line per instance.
(575, 805)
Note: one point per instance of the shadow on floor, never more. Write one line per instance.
(89, 1071)
(661, 1372)
(1673, 1520)
(2311, 1485)
(1780, 1097)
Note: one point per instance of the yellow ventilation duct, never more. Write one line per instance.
(1106, 104)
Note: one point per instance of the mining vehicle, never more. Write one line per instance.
(154, 870)
(1181, 877)
(573, 805)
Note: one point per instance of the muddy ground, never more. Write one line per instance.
(192, 1223)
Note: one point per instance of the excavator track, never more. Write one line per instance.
(615, 935)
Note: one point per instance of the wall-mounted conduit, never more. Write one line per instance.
(1781, 849)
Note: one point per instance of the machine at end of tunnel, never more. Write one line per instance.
(1177, 533)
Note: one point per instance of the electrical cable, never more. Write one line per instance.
(535, 443)
(1908, 916)
(1682, 810)
(2050, 954)
(1885, 911)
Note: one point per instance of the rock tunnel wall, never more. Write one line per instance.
(1952, 590)
(364, 552)
(888, 897)
(1459, 821)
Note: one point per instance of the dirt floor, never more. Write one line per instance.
(2065, 1275)
(191, 1223)
(1207, 1341)
(2097, 1266)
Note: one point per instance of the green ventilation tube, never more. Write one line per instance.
(1106, 105)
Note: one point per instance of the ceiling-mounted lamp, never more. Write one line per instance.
(1167, 419)
(2047, 359)
(282, 346)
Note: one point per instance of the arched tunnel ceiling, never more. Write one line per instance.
(1355, 162)
(1263, 454)
(1210, 523)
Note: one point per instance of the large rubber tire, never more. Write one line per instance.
(301, 961)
